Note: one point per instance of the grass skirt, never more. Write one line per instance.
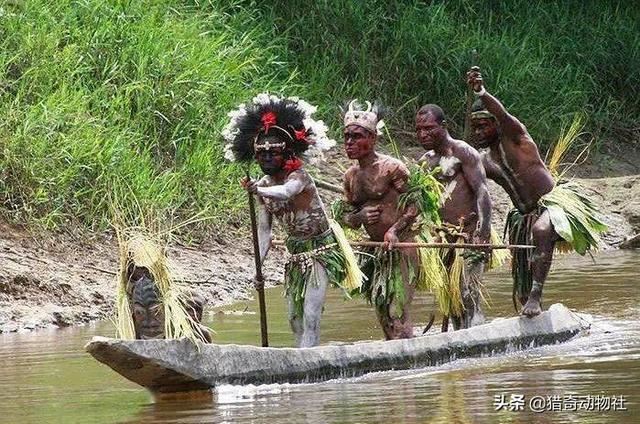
(573, 216)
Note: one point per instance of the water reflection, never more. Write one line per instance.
(47, 377)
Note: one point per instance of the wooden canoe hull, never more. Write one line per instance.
(169, 366)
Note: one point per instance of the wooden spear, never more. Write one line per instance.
(469, 96)
(412, 245)
(258, 263)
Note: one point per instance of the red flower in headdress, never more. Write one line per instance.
(292, 164)
(268, 119)
(301, 135)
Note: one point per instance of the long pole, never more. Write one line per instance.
(469, 102)
(411, 245)
(258, 263)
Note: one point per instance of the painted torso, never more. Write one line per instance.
(303, 215)
(460, 204)
(381, 183)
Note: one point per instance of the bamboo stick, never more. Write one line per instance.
(328, 186)
(412, 245)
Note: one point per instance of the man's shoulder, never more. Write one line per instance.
(300, 175)
(428, 157)
(465, 152)
(352, 170)
(391, 163)
(522, 141)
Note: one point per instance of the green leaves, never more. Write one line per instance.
(425, 192)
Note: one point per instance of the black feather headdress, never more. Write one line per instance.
(288, 119)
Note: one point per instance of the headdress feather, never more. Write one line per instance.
(289, 119)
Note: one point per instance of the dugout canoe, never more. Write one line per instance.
(170, 366)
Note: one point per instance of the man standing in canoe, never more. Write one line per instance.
(466, 213)
(278, 132)
(545, 211)
(373, 187)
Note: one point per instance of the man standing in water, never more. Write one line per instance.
(467, 206)
(372, 187)
(277, 132)
(545, 212)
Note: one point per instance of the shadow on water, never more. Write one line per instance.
(47, 377)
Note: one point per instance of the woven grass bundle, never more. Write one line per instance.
(139, 247)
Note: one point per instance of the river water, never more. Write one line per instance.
(46, 377)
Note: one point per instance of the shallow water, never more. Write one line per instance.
(47, 378)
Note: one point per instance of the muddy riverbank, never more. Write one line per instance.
(63, 282)
(57, 281)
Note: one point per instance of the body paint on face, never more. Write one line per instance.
(269, 153)
(358, 142)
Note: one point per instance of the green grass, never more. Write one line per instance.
(102, 99)
(545, 60)
(117, 98)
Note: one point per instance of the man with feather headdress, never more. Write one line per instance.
(279, 133)
(546, 211)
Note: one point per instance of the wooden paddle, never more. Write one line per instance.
(258, 263)
(412, 245)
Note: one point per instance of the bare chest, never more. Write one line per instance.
(448, 167)
(366, 186)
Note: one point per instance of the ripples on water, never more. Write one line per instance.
(47, 378)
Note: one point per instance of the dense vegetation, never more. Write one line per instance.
(104, 101)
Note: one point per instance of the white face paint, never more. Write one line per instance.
(447, 165)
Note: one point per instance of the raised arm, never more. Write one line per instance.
(509, 123)
(474, 173)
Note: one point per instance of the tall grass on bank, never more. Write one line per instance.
(119, 96)
(97, 94)
(545, 60)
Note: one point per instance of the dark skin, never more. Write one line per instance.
(467, 203)
(513, 161)
(462, 172)
(372, 187)
(292, 198)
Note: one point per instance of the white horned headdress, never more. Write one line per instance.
(370, 118)
(287, 118)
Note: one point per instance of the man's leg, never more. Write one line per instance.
(400, 326)
(470, 289)
(544, 238)
(313, 304)
(295, 321)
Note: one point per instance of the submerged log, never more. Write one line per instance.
(167, 366)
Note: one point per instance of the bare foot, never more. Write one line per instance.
(532, 308)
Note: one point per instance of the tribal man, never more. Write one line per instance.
(466, 207)
(373, 186)
(545, 211)
(277, 132)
